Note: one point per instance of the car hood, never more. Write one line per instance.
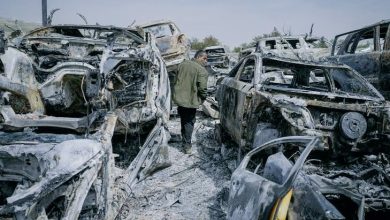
(46, 165)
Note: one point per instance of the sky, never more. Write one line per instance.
(231, 21)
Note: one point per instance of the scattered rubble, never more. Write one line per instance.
(194, 187)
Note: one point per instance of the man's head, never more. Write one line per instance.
(201, 57)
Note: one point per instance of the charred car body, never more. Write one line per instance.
(75, 101)
(245, 52)
(268, 97)
(171, 42)
(217, 56)
(284, 179)
(367, 50)
(294, 47)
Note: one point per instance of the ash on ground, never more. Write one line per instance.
(194, 187)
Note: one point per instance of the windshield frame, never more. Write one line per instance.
(333, 90)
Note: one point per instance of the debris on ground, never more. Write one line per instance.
(194, 187)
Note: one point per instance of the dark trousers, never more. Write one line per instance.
(187, 121)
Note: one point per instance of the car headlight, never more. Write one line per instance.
(299, 117)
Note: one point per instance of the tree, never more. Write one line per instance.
(196, 44)
(274, 33)
(206, 42)
(322, 43)
(242, 46)
(210, 41)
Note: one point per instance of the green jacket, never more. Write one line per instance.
(190, 88)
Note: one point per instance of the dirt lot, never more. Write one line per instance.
(194, 187)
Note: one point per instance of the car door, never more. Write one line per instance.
(360, 51)
(235, 94)
(262, 190)
(384, 76)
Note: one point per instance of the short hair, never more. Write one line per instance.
(200, 53)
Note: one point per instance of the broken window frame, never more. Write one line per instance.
(350, 36)
(369, 37)
(386, 45)
(332, 90)
(153, 29)
(243, 182)
(241, 71)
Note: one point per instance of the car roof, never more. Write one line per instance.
(278, 37)
(132, 31)
(214, 47)
(325, 64)
(153, 23)
(365, 27)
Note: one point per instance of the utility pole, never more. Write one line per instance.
(44, 12)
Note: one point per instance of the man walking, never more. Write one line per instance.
(190, 90)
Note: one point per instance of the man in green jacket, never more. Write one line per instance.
(190, 90)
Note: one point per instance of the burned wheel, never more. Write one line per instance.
(352, 127)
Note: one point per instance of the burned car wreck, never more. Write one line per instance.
(217, 56)
(284, 179)
(266, 97)
(294, 47)
(171, 42)
(83, 115)
(367, 50)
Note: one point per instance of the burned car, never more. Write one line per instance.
(171, 42)
(367, 50)
(266, 97)
(83, 114)
(217, 56)
(245, 52)
(294, 47)
(284, 179)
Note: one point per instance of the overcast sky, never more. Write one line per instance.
(231, 21)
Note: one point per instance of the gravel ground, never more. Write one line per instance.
(194, 187)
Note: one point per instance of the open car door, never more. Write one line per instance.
(261, 189)
(236, 97)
